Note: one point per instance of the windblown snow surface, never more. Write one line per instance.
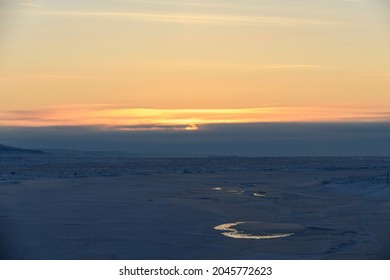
(118, 207)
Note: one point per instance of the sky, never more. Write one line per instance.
(132, 65)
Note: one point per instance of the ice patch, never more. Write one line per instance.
(264, 194)
(255, 230)
(260, 194)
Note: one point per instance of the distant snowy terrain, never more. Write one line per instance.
(7, 150)
(85, 206)
(84, 165)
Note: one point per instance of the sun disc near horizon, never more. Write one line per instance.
(192, 127)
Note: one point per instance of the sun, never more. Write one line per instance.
(192, 127)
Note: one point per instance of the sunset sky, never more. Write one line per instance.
(143, 64)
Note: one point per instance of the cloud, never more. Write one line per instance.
(46, 77)
(180, 3)
(252, 66)
(353, 1)
(189, 18)
(27, 2)
(31, 3)
(130, 118)
(384, 75)
(266, 139)
(291, 66)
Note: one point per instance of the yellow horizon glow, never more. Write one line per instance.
(188, 119)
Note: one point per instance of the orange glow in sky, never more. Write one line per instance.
(189, 62)
(188, 119)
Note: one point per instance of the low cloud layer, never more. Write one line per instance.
(265, 139)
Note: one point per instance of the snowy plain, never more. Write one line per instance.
(83, 206)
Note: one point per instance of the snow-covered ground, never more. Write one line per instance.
(117, 207)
